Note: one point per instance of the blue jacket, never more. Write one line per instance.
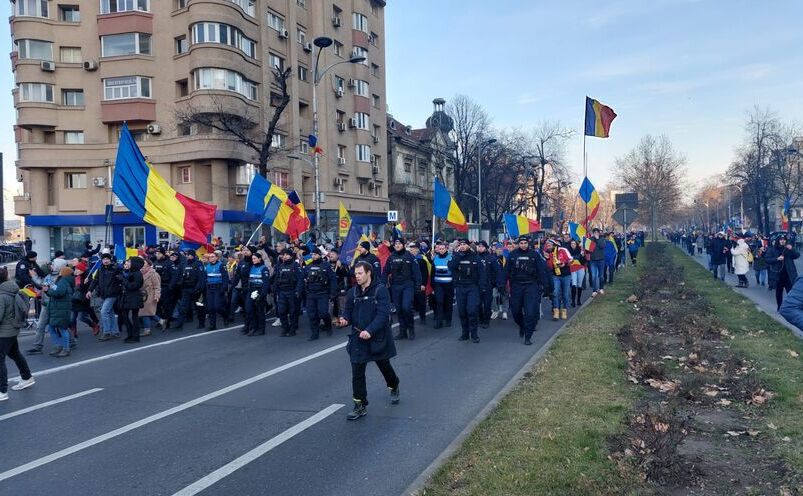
(440, 269)
(610, 253)
(369, 310)
(216, 273)
(258, 279)
(792, 306)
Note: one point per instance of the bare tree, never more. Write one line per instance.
(503, 178)
(653, 170)
(471, 127)
(546, 148)
(246, 129)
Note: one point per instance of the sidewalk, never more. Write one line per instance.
(760, 295)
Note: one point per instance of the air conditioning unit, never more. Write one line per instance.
(339, 92)
(352, 83)
(99, 182)
(338, 181)
(241, 190)
(90, 65)
(375, 170)
(341, 126)
(284, 34)
(376, 139)
(336, 22)
(48, 66)
(373, 159)
(308, 47)
(154, 128)
(352, 122)
(341, 160)
(371, 185)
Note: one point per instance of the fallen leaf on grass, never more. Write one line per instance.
(662, 386)
(632, 379)
(786, 439)
(753, 433)
(632, 299)
(693, 356)
(793, 353)
(631, 353)
(772, 426)
(667, 357)
(711, 392)
(661, 427)
(736, 433)
(761, 396)
(724, 402)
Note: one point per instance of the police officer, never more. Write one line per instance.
(492, 273)
(288, 282)
(342, 276)
(217, 280)
(193, 279)
(420, 295)
(363, 254)
(402, 277)
(256, 292)
(321, 286)
(21, 272)
(368, 313)
(529, 281)
(169, 281)
(468, 272)
(442, 285)
(239, 285)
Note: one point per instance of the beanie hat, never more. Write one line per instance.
(58, 254)
(483, 243)
(106, 255)
(65, 271)
(81, 266)
(31, 255)
(366, 245)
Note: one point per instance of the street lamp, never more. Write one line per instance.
(317, 74)
(483, 143)
(741, 204)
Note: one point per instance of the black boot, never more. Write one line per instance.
(359, 410)
(574, 296)
(579, 296)
(438, 324)
(401, 335)
(411, 333)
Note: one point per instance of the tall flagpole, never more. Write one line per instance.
(585, 171)
(432, 246)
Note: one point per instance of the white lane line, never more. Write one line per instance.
(238, 463)
(49, 403)
(158, 416)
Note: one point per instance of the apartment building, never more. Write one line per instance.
(83, 68)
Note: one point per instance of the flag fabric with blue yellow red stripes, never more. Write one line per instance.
(519, 225)
(446, 208)
(590, 197)
(598, 119)
(283, 211)
(577, 231)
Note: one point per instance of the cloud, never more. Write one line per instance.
(527, 99)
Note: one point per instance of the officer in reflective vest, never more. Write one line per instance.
(217, 280)
(442, 285)
(529, 281)
(468, 271)
(402, 276)
(288, 282)
(321, 287)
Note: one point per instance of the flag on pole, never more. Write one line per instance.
(314, 149)
(345, 221)
(598, 118)
(590, 197)
(350, 245)
(446, 208)
(143, 191)
(787, 205)
(298, 222)
(578, 231)
(519, 225)
(284, 212)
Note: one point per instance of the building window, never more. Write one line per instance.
(73, 137)
(277, 141)
(69, 13)
(36, 92)
(213, 32)
(340, 83)
(303, 146)
(276, 21)
(75, 180)
(377, 132)
(245, 173)
(115, 45)
(301, 36)
(72, 98)
(360, 52)
(375, 101)
(35, 49)
(341, 151)
(377, 191)
(377, 160)
(341, 188)
(223, 79)
(360, 188)
(276, 62)
(120, 88)
(301, 3)
(338, 48)
(340, 116)
(361, 88)
(375, 70)
(302, 73)
(362, 120)
(363, 153)
(408, 164)
(185, 175)
(249, 6)
(373, 39)
(111, 6)
(182, 46)
(280, 179)
(31, 8)
(180, 4)
(360, 22)
(70, 55)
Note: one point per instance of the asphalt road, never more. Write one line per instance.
(222, 413)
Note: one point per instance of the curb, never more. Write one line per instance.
(420, 481)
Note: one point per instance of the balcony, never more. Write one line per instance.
(22, 204)
(32, 114)
(125, 22)
(363, 170)
(407, 189)
(220, 101)
(135, 109)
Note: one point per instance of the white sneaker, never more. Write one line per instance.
(594, 294)
(19, 386)
(494, 315)
(602, 291)
(504, 315)
(3, 396)
(277, 323)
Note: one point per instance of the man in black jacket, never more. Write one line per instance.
(239, 286)
(342, 275)
(402, 277)
(420, 295)
(22, 271)
(288, 283)
(468, 272)
(107, 285)
(192, 284)
(169, 282)
(720, 247)
(491, 269)
(529, 282)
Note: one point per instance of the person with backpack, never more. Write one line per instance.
(131, 299)
(13, 314)
(59, 310)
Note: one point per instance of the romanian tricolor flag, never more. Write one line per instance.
(785, 214)
(344, 223)
(598, 118)
(200, 249)
(30, 291)
(519, 225)
(143, 191)
(123, 253)
(297, 222)
(284, 212)
(446, 208)
(578, 231)
(590, 197)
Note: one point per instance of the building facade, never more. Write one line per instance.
(416, 157)
(83, 68)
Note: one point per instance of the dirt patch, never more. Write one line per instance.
(700, 428)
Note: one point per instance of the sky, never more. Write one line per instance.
(688, 69)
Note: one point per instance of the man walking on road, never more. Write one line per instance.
(529, 281)
(368, 313)
(468, 271)
(9, 330)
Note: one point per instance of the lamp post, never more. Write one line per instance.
(708, 216)
(317, 74)
(483, 143)
(741, 204)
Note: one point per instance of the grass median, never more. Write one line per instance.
(548, 436)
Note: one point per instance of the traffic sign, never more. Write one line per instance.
(393, 216)
(625, 216)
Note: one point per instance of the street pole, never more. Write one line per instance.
(479, 181)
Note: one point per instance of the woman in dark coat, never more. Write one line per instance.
(59, 311)
(781, 266)
(368, 313)
(131, 300)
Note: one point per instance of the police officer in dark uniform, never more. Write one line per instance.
(529, 282)
(169, 281)
(217, 280)
(288, 282)
(342, 276)
(468, 271)
(492, 271)
(402, 277)
(193, 279)
(21, 272)
(321, 287)
(239, 285)
(420, 295)
(256, 292)
(363, 254)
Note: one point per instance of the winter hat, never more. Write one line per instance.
(483, 243)
(31, 255)
(106, 255)
(81, 266)
(65, 271)
(258, 255)
(288, 251)
(58, 254)
(366, 245)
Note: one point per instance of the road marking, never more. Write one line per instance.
(238, 463)
(163, 414)
(49, 403)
